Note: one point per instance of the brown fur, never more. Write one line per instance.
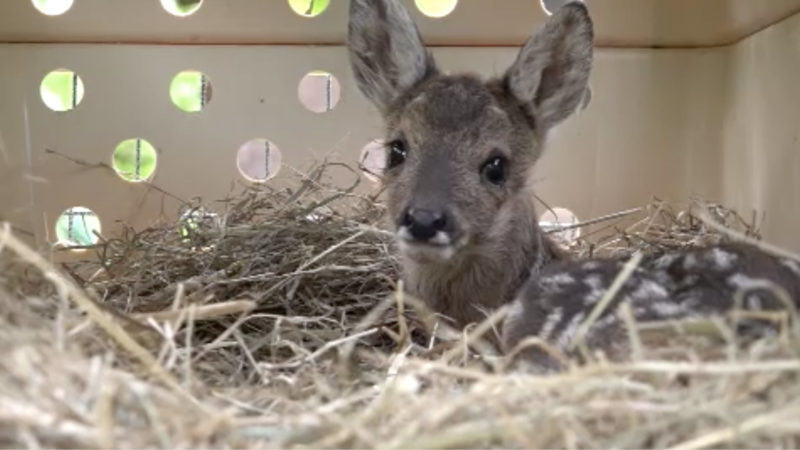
(451, 125)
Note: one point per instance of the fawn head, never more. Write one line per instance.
(459, 150)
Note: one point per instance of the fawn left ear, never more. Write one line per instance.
(387, 54)
(551, 73)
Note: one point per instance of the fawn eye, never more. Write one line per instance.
(494, 170)
(397, 153)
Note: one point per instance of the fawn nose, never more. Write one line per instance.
(423, 224)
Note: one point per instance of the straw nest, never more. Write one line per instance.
(276, 323)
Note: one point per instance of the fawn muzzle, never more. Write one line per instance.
(423, 225)
(427, 235)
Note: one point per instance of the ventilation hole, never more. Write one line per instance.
(373, 160)
(309, 8)
(557, 222)
(181, 8)
(258, 160)
(551, 6)
(319, 91)
(78, 227)
(61, 90)
(190, 91)
(52, 7)
(134, 160)
(436, 8)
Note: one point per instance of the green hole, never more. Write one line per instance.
(134, 160)
(78, 226)
(309, 8)
(61, 90)
(53, 7)
(181, 8)
(190, 91)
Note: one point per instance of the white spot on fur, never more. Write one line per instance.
(689, 262)
(690, 303)
(689, 281)
(592, 297)
(595, 282)
(420, 98)
(649, 290)
(664, 261)
(608, 319)
(754, 303)
(721, 259)
(496, 110)
(569, 331)
(516, 314)
(640, 312)
(597, 288)
(517, 308)
(590, 265)
(550, 323)
(793, 265)
(560, 278)
(557, 281)
(742, 281)
(667, 309)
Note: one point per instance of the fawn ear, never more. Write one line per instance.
(551, 73)
(387, 54)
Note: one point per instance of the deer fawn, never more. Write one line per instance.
(460, 152)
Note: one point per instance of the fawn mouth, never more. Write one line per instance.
(441, 248)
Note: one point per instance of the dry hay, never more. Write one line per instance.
(276, 324)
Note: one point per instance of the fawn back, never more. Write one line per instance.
(694, 283)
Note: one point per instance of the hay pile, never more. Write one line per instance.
(276, 324)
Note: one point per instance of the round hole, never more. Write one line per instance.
(181, 8)
(551, 6)
(558, 221)
(319, 91)
(190, 91)
(134, 160)
(78, 227)
(309, 8)
(61, 90)
(373, 160)
(52, 7)
(436, 8)
(258, 160)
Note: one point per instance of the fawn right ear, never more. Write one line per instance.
(387, 54)
(550, 76)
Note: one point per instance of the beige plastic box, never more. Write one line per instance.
(690, 97)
